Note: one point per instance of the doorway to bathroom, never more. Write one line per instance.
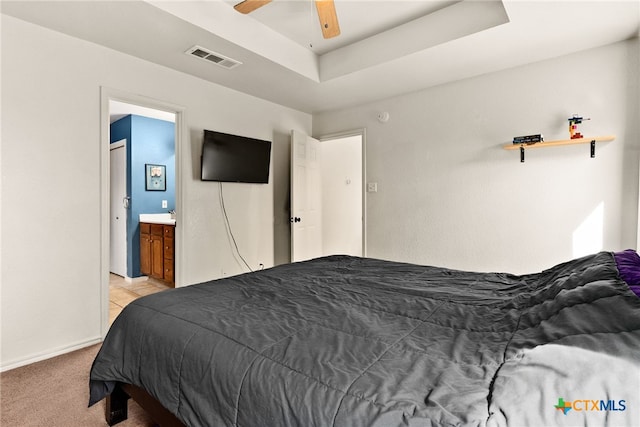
(141, 140)
(142, 169)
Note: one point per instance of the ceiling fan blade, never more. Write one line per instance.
(328, 18)
(248, 6)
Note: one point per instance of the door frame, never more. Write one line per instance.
(362, 132)
(110, 94)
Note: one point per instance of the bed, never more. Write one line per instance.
(348, 341)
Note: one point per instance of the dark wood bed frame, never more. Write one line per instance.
(117, 406)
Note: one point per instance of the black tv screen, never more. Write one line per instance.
(233, 158)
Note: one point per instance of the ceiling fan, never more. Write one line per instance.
(326, 12)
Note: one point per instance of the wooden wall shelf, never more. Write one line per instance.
(592, 141)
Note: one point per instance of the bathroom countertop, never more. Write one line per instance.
(162, 218)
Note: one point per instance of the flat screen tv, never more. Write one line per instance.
(232, 158)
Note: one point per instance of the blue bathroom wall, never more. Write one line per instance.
(121, 129)
(149, 141)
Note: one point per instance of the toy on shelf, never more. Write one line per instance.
(573, 126)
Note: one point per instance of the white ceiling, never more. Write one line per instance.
(387, 47)
(358, 19)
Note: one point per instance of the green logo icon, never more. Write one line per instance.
(563, 406)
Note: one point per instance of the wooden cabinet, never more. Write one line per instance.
(157, 257)
(167, 253)
(145, 249)
(156, 251)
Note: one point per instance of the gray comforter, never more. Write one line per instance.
(344, 341)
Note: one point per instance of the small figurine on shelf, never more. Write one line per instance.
(573, 126)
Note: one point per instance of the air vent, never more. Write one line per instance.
(214, 57)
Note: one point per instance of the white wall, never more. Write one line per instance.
(50, 295)
(449, 195)
(342, 196)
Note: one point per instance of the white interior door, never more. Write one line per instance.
(306, 198)
(342, 196)
(118, 209)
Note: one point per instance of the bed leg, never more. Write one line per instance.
(116, 409)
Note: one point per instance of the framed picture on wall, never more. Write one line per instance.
(156, 177)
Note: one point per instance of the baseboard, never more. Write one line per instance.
(136, 279)
(48, 355)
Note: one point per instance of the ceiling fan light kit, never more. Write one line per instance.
(326, 14)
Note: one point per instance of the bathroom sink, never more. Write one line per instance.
(162, 218)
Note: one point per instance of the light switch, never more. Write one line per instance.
(164, 204)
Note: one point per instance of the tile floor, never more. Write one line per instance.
(122, 292)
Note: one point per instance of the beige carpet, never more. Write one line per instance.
(55, 393)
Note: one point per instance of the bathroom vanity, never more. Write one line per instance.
(157, 247)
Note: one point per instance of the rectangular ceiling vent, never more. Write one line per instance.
(214, 57)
